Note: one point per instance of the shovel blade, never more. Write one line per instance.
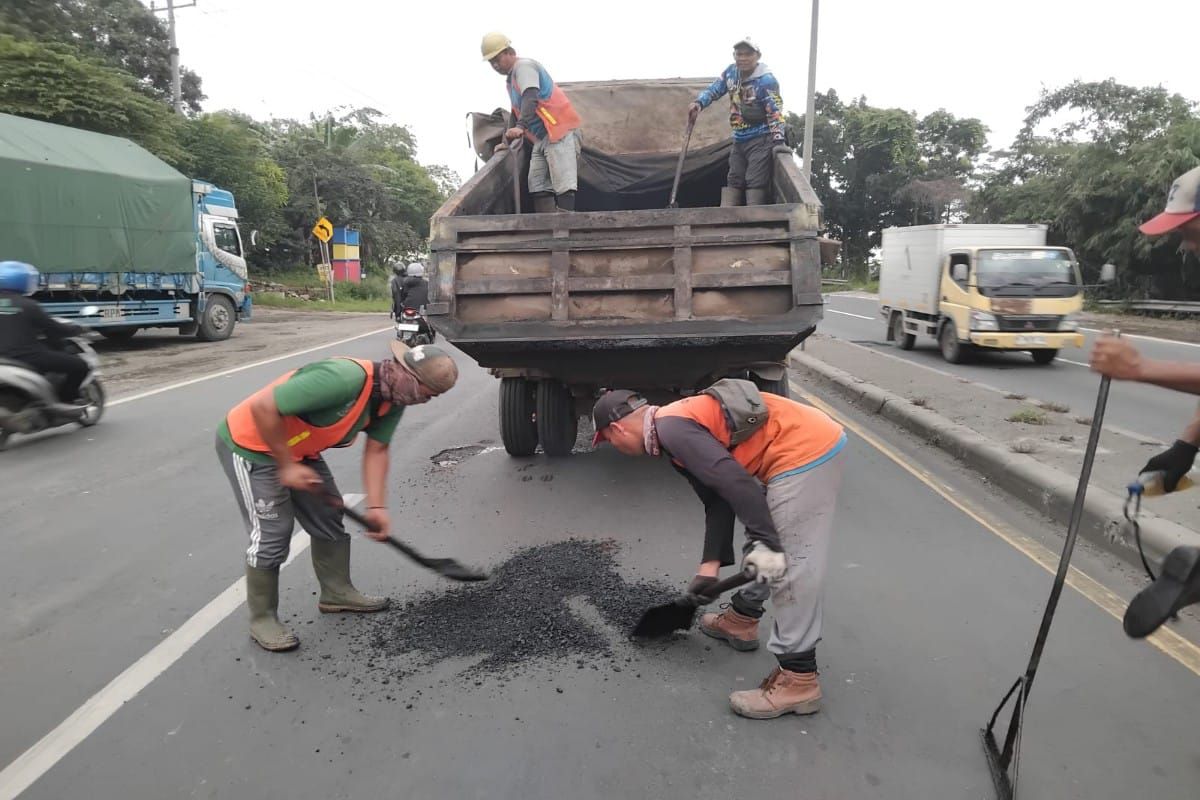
(449, 568)
(664, 620)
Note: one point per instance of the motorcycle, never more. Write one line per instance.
(29, 400)
(413, 329)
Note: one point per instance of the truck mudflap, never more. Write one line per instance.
(1026, 341)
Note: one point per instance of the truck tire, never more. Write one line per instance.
(118, 334)
(1044, 356)
(954, 351)
(779, 386)
(217, 320)
(557, 425)
(904, 341)
(518, 428)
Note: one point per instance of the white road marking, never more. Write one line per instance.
(848, 314)
(1069, 361)
(37, 760)
(1147, 338)
(223, 373)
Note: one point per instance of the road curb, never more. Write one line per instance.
(1046, 489)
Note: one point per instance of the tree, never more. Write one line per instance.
(1100, 171)
(54, 83)
(122, 33)
(231, 150)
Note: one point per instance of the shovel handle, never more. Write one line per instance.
(687, 138)
(734, 581)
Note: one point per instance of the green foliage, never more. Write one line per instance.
(122, 33)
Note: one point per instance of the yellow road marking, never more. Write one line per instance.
(1168, 641)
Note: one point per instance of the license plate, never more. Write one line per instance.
(110, 313)
(1031, 340)
(404, 326)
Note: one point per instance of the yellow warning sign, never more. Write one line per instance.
(323, 230)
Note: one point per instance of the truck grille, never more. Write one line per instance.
(1020, 324)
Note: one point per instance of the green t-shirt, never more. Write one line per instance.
(323, 392)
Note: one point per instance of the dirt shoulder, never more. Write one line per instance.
(159, 356)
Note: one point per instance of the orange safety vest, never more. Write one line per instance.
(556, 112)
(304, 440)
(794, 435)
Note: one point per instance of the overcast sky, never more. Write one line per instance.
(420, 63)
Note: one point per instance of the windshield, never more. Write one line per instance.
(226, 238)
(1026, 272)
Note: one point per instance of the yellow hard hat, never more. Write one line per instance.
(494, 44)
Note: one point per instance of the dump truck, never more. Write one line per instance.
(624, 292)
(111, 226)
(980, 287)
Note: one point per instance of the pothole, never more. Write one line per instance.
(453, 456)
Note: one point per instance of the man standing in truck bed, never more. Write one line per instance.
(543, 115)
(271, 446)
(756, 115)
(776, 465)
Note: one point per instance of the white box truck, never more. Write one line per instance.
(975, 287)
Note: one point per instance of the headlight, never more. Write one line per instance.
(981, 321)
(1069, 323)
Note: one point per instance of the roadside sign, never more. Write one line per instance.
(323, 230)
(323, 272)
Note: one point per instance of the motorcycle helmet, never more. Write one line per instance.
(416, 270)
(17, 276)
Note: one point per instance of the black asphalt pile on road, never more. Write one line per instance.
(523, 613)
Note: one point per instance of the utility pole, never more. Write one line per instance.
(176, 87)
(811, 111)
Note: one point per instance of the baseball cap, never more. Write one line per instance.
(612, 406)
(431, 365)
(748, 42)
(1183, 205)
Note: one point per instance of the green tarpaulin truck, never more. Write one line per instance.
(110, 225)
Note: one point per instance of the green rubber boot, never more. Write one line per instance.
(262, 598)
(331, 562)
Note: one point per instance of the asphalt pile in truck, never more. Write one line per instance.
(522, 614)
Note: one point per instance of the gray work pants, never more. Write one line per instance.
(802, 508)
(270, 510)
(750, 163)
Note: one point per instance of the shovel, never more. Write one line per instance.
(680, 613)
(687, 138)
(446, 567)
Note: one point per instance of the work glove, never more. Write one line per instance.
(1174, 463)
(698, 590)
(770, 565)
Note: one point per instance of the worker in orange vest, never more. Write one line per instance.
(541, 114)
(776, 465)
(270, 446)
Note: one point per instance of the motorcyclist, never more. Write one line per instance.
(25, 325)
(395, 287)
(414, 292)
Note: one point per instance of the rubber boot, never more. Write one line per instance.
(732, 196)
(565, 201)
(783, 692)
(331, 563)
(738, 630)
(262, 598)
(543, 203)
(758, 197)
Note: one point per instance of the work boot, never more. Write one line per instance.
(331, 563)
(262, 598)
(783, 692)
(565, 201)
(738, 630)
(543, 203)
(732, 196)
(758, 197)
(1177, 586)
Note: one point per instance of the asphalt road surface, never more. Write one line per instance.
(122, 553)
(1149, 411)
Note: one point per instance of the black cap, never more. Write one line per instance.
(612, 406)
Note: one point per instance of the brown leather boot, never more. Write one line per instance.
(783, 692)
(740, 631)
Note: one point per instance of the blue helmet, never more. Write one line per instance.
(17, 276)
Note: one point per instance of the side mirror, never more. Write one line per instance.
(959, 273)
(1108, 273)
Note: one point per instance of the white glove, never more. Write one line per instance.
(770, 566)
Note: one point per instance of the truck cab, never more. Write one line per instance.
(1010, 298)
(220, 253)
